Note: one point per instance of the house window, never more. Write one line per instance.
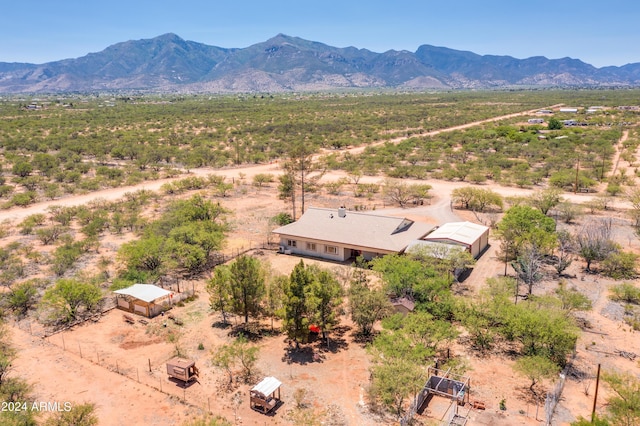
(331, 249)
(311, 246)
(292, 243)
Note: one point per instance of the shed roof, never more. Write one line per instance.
(144, 292)
(359, 229)
(462, 232)
(181, 362)
(267, 386)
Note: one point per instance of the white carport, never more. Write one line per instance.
(144, 299)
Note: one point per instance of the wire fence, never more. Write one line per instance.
(553, 397)
(150, 372)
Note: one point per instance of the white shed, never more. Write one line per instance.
(474, 237)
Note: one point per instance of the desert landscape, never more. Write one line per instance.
(119, 366)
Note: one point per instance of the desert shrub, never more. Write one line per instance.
(625, 292)
(620, 265)
(282, 219)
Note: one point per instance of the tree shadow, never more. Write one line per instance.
(252, 331)
(302, 355)
(363, 339)
(336, 340)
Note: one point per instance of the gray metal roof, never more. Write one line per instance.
(357, 229)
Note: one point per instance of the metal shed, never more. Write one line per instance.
(182, 369)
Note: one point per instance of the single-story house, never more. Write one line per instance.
(144, 299)
(338, 234)
(473, 237)
(535, 120)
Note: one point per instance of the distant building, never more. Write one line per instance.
(572, 110)
(535, 120)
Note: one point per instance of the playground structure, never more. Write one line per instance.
(442, 384)
(262, 395)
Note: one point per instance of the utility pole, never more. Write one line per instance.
(595, 397)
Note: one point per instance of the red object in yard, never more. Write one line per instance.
(314, 328)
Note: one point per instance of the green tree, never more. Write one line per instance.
(624, 407)
(22, 168)
(620, 265)
(247, 286)
(295, 308)
(302, 169)
(536, 368)
(524, 224)
(554, 124)
(324, 297)
(22, 297)
(286, 191)
(367, 305)
(78, 415)
(261, 179)
(68, 298)
(546, 199)
(219, 289)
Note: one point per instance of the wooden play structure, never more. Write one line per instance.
(443, 384)
(262, 395)
(182, 369)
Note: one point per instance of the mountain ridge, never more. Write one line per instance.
(287, 63)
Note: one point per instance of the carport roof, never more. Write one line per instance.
(144, 292)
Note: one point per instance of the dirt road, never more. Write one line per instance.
(441, 188)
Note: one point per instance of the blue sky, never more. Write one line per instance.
(600, 33)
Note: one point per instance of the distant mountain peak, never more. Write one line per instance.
(284, 63)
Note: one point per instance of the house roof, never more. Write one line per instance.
(358, 229)
(267, 386)
(145, 292)
(461, 232)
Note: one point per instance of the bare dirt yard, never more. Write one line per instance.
(121, 366)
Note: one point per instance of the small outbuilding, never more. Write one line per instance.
(144, 299)
(262, 396)
(182, 369)
(403, 305)
(473, 237)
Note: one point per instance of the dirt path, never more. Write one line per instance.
(18, 213)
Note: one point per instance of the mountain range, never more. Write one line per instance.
(169, 63)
